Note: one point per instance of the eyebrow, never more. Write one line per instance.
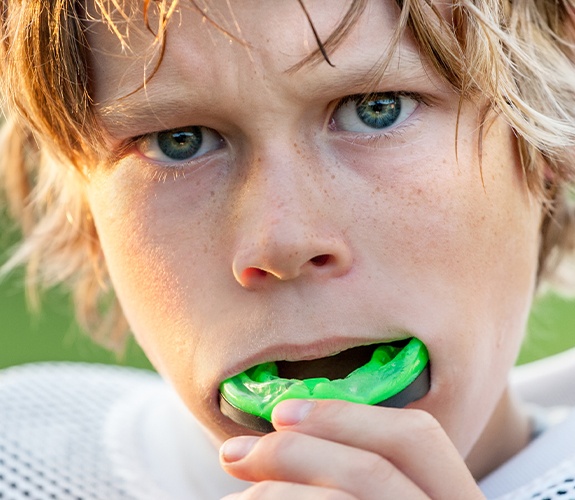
(400, 67)
(138, 110)
(153, 106)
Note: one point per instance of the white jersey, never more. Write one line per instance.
(71, 431)
(545, 469)
(92, 432)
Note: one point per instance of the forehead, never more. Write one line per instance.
(234, 46)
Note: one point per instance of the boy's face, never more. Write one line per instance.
(307, 224)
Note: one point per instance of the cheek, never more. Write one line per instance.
(458, 244)
(151, 254)
(441, 219)
(478, 269)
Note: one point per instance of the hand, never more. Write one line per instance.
(342, 451)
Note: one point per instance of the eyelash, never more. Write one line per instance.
(393, 132)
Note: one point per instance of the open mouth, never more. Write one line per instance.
(392, 374)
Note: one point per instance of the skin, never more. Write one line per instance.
(295, 238)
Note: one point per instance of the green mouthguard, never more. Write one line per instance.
(391, 369)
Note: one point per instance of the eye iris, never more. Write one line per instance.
(180, 144)
(379, 113)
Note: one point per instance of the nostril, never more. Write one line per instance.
(253, 272)
(320, 260)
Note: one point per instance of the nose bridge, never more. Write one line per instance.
(280, 200)
(283, 187)
(286, 224)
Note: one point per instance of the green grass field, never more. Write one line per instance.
(53, 335)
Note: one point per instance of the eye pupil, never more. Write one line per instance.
(379, 113)
(180, 144)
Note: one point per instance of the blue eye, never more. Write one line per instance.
(179, 144)
(373, 112)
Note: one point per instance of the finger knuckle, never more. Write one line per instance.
(423, 422)
(373, 469)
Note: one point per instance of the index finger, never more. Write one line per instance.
(410, 439)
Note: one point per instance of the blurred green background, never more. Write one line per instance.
(53, 335)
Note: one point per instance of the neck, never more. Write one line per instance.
(507, 432)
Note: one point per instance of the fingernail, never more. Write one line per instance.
(237, 448)
(292, 411)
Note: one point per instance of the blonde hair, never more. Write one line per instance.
(519, 55)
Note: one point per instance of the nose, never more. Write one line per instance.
(283, 254)
(289, 227)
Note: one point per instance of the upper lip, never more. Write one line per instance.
(305, 352)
